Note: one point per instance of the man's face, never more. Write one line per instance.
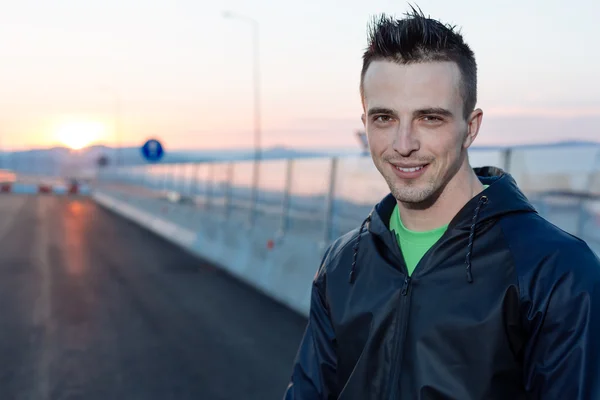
(415, 127)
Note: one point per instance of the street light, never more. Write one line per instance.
(116, 112)
(257, 113)
(117, 126)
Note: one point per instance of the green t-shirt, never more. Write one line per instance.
(414, 244)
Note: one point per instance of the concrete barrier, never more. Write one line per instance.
(181, 236)
(281, 268)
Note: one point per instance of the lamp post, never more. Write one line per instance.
(116, 110)
(257, 112)
(117, 126)
(2, 153)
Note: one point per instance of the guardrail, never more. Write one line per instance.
(326, 197)
(275, 241)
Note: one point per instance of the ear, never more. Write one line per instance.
(473, 125)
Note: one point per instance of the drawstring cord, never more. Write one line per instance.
(355, 248)
(483, 200)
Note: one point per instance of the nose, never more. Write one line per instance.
(405, 140)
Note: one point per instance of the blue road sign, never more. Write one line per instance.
(152, 150)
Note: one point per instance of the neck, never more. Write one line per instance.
(461, 188)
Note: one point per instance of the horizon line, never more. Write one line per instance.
(249, 149)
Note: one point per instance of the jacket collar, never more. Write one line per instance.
(502, 197)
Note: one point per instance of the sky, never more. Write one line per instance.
(122, 71)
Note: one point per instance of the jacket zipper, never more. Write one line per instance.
(401, 322)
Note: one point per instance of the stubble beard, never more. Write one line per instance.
(423, 192)
(411, 192)
(416, 193)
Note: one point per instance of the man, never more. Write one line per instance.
(454, 287)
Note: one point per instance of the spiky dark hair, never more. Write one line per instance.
(417, 38)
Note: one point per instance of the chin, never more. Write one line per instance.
(420, 191)
(413, 196)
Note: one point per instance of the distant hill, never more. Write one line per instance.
(524, 146)
(59, 161)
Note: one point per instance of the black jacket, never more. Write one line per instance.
(504, 306)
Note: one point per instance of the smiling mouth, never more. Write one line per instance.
(410, 172)
(411, 169)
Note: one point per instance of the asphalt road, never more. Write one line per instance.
(94, 307)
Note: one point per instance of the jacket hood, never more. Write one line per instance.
(502, 197)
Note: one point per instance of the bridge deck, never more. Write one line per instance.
(94, 307)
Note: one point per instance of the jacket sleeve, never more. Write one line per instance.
(314, 370)
(562, 353)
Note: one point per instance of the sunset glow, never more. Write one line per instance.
(79, 134)
(185, 74)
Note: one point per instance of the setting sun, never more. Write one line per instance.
(78, 134)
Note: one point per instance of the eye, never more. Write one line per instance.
(382, 119)
(432, 119)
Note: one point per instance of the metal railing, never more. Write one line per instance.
(327, 197)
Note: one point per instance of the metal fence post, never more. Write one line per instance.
(228, 190)
(175, 177)
(193, 187)
(186, 183)
(154, 178)
(285, 204)
(254, 192)
(171, 179)
(328, 218)
(180, 178)
(507, 156)
(583, 214)
(145, 181)
(188, 188)
(209, 185)
(131, 176)
(165, 179)
(188, 179)
(168, 177)
(135, 176)
(194, 182)
(582, 218)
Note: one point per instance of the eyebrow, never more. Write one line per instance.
(382, 110)
(418, 113)
(434, 110)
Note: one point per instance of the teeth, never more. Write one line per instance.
(409, 169)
